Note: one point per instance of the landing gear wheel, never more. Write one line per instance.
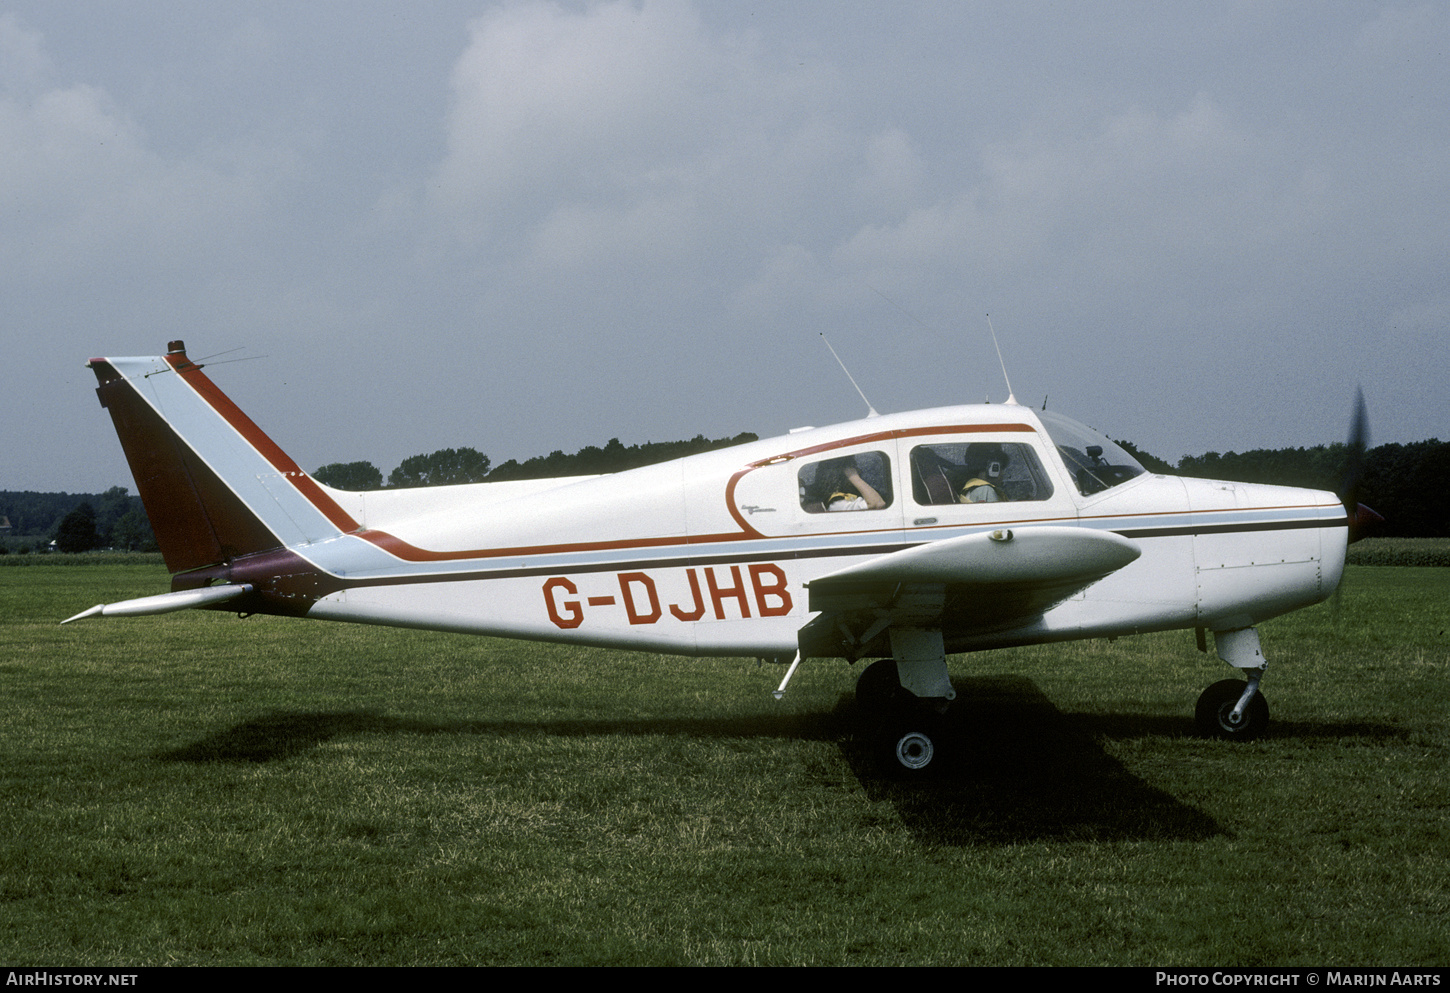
(1214, 713)
(913, 751)
(909, 747)
(879, 691)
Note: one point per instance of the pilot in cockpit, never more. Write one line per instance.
(986, 465)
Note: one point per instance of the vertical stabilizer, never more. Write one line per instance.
(215, 486)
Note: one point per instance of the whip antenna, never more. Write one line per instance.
(870, 410)
(1010, 397)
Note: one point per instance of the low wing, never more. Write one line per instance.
(969, 584)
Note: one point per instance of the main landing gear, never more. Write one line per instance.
(905, 730)
(1232, 708)
(903, 698)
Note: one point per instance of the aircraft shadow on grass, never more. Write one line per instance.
(1021, 770)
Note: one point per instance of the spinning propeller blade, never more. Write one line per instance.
(1361, 518)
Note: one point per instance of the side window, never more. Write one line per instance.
(853, 482)
(976, 472)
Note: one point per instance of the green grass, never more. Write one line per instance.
(100, 557)
(1400, 551)
(199, 789)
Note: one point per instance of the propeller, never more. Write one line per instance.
(1361, 518)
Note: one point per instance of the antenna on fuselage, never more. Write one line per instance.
(1010, 397)
(870, 410)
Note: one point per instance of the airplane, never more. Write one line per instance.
(899, 538)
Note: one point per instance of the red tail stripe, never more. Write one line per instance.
(257, 438)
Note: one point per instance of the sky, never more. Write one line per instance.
(527, 226)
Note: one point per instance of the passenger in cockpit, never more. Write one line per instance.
(842, 488)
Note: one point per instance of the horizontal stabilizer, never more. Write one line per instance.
(165, 603)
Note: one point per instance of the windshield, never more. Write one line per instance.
(1093, 462)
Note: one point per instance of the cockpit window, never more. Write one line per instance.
(976, 472)
(1094, 462)
(853, 482)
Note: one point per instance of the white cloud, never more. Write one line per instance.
(82, 189)
(578, 104)
(23, 62)
(893, 170)
(583, 133)
(1133, 195)
(646, 231)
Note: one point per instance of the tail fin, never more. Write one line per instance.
(215, 486)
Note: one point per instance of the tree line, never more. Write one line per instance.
(77, 522)
(1408, 485)
(466, 465)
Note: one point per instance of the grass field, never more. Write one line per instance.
(199, 789)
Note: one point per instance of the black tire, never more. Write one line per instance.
(1217, 703)
(879, 691)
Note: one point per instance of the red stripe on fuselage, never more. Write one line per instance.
(399, 548)
(866, 439)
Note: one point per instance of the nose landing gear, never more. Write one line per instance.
(1223, 713)
(1233, 709)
